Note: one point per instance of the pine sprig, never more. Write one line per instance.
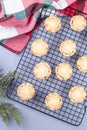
(4, 80)
(1, 74)
(8, 111)
(2, 94)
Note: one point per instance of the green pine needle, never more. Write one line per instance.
(4, 80)
(8, 111)
(2, 94)
(1, 74)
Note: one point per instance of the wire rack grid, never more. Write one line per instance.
(69, 112)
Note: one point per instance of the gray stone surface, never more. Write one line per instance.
(32, 119)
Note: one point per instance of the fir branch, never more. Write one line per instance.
(7, 111)
(1, 74)
(4, 80)
(2, 94)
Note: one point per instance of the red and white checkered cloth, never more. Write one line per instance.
(18, 18)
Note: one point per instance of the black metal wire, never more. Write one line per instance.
(70, 112)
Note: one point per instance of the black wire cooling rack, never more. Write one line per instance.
(70, 112)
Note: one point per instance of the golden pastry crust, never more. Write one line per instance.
(78, 23)
(53, 101)
(68, 47)
(39, 47)
(82, 64)
(42, 70)
(63, 71)
(52, 24)
(77, 94)
(25, 91)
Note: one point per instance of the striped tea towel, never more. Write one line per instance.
(18, 18)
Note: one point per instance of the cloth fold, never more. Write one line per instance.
(19, 17)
